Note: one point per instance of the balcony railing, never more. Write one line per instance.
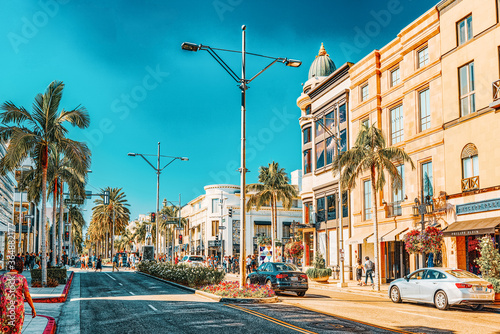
(496, 90)
(394, 209)
(470, 183)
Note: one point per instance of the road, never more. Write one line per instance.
(127, 302)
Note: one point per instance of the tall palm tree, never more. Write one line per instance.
(33, 133)
(125, 241)
(168, 220)
(115, 216)
(274, 187)
(75, 218)
(371, 154)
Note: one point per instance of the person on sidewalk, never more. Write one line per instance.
(98, 264)
(14, 291)
(369, 267)
(115, 263)
(359, 272)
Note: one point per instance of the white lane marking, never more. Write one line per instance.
(420, 315)
(120, 284)
(154, 309)
(114, 279)
(133, 294)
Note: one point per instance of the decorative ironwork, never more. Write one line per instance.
(470, 183)
(496, 90)
(394, 209)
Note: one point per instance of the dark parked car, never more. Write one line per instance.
(280, 277)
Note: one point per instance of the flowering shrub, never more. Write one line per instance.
(178, 273)
(412, 241)
(294, 249)
(36, 284)
(431, 240)
(232, 290)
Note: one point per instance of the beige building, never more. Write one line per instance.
(470, 40)
(399, 88)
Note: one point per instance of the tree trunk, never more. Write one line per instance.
(43, 218)
(375, 234)
(54, 224)
(61, 222)
(272, 230)
(70, 237)
(275, 223)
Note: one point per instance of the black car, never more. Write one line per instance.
(280, 277)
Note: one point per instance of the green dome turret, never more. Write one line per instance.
(322, 66)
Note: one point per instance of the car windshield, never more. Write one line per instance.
(461, 273)
(285, 267)
(196, 258)
(184, 258)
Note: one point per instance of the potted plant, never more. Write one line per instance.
(319, 273)
(489, 264)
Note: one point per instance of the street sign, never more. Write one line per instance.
(106, 197)
(29, 216)
(77, 201)
(88, 194)
(222, 227)
(179, 228)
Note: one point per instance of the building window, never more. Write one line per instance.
(398, 195)
(215, 228)
(331, 203)
(319, 127)
(307, 135)
(320, 209)
(423, 57)
(426, 181)
(215, 205)
(364, 93)
(320, 154)
(307, 161)
(397, 131)
(286, 232)
(308, 213)
(342, 113)
(308, 110)
(395, 77)
(264, 230)
(367, 199)
(424, 106)
(470, 168)
(464, 30)
(467, 93)
(343, 140)
(365, 122)
(330, 150)
(330, 120)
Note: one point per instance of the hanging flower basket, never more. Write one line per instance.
(431, 240)
(262, 240)
(294, 249)
(412, 242)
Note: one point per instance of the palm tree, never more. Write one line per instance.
(113, 217)
(168, 220)
(370, 153)
(125, 241)
(32, 134)
(77, 223)
(274, 187)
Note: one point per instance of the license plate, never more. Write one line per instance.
(479, 288)
(295, 278)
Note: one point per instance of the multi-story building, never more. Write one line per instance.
(324, 120)
(470, 44)
(214, 223)
(399, 89)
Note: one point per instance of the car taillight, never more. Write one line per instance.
(490, 286)
(188, 261)
(304, 276)
(463, 285)
(281, 276)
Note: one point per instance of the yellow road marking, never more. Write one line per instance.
(271, 319)
(348, 319)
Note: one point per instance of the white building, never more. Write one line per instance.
(220, 207)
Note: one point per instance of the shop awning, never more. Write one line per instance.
(391, 236)
(472, 227)
(262, 222)
(382, 230)
(358, 238)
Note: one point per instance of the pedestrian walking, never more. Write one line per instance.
(253, 264)
(98, 265)
(14, 291)
(115, 262)
(64, 258)
(359, 272)
(369, 267)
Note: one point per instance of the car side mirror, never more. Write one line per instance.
(406, 278)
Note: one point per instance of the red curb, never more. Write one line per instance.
(51, 325)
(60, 299)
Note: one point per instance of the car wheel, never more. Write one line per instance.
(248, 281)
(477, 307)
(395, 295)
(301, 293)
(441, 300)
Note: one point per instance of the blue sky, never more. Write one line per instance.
(122, 60)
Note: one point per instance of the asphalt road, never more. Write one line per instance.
(126, 302)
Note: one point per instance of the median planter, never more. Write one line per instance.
(319, 273)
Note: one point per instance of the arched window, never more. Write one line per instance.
(470, 167)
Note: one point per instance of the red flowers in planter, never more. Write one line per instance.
(232, 290)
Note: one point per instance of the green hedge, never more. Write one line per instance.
(191, 276)
(318, 273)
(56, 273)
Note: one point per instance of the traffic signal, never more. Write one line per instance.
(180, 239)
(230, 212)
(66, 236)
(153, 217)
(217, 238)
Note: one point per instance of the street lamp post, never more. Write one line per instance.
(422, 207)
(165, 202)
(158, 171)
(243, 85)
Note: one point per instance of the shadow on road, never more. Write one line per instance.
(425, 329)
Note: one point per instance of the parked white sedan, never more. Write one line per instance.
(442, 287)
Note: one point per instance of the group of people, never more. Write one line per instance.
(34, 260)
(251, 263)
(231, 264)
(368, 268)
(90, 262)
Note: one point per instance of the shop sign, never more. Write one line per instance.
(492, 204)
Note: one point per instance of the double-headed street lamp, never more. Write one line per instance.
(158, 171)
(243, 82)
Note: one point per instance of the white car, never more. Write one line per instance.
(443, 287)
(192, 260)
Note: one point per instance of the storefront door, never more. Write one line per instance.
(397, 260)
(309, 248)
